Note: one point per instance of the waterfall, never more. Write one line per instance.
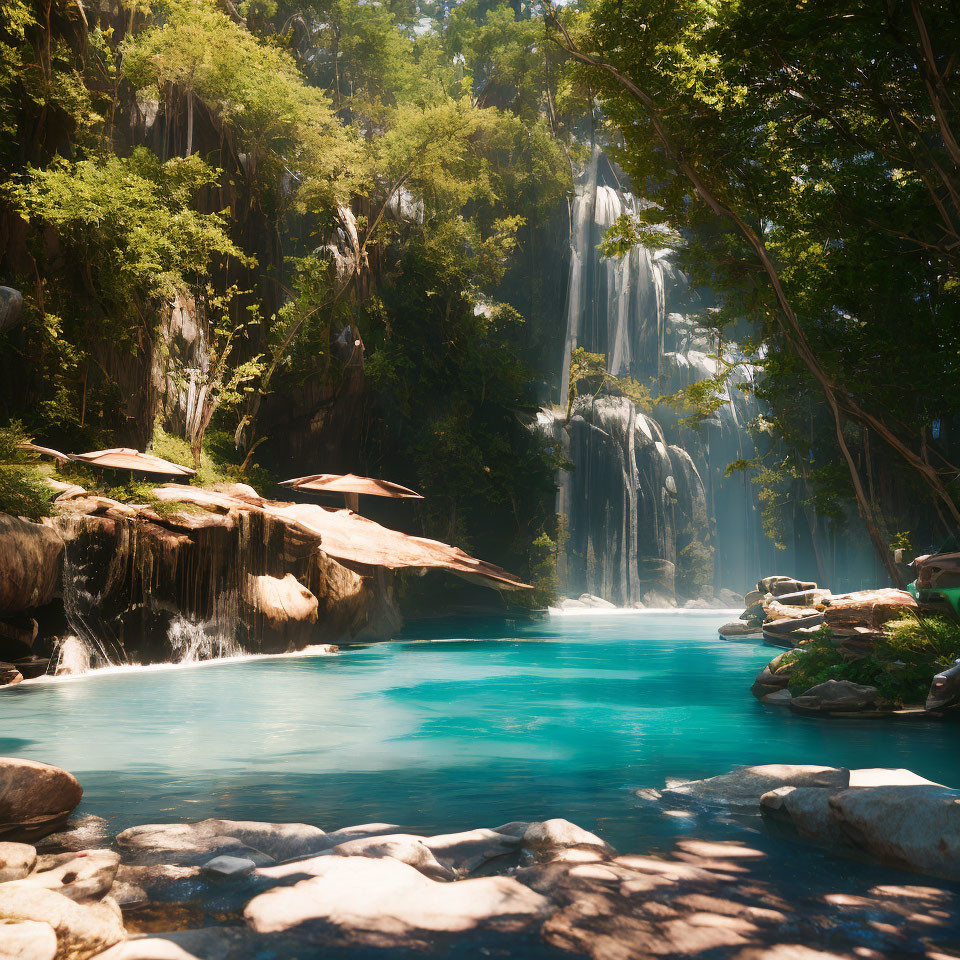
(647, 506)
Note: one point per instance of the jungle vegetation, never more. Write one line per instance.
(305, 234)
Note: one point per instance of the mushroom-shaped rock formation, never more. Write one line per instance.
(126, 458)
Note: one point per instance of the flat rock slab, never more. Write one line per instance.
(358, 901)
(195, 843)
(746, 785)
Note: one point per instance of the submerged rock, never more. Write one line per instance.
(35, 798)
(746, 785)
(193, 844)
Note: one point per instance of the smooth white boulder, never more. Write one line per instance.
(464, 852)
(16, 860)
(196, 843)
(550, 838)
(403, 847)
(82, 929)
(27, 940)
(87, 875)
(359, 900)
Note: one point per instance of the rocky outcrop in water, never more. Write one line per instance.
(196, 573)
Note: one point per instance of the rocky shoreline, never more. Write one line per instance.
(850, 627)
(239, 890)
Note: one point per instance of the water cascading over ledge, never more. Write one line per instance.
(646, 495)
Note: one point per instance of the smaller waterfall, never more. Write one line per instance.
(191, 642)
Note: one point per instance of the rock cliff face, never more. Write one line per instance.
(141, 586)
(201, 573)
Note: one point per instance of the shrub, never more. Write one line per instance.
(23, 492)
(901, 665)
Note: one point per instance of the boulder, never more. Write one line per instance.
(194, 844)
(87, 875)
(229, 867)
(464, 852)
(843, 695)
(16, 860)
(82, 930)
(787, 585)
(729, 598)
(944, 689)
(27, 940)
(79, 833)
(9, 675)
(598, 603)
(31, 562)
(866, 608)
(549, 839)
(35, 798)
(912, 826)
(775, 610)
(11, 308)
(746, 785)
(809, 810)
(739, 628)
(356, 901)
(403, 847)
(765, 585)
(778, 698)
(284, 609)
(775, 676)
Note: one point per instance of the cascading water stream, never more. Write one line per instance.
(646, 496)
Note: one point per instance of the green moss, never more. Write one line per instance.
(140, 492)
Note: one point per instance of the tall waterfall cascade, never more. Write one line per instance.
(649, 515)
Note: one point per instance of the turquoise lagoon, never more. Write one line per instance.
(458, 724)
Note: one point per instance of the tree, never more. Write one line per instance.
(805, 158)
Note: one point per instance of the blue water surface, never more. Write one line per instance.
(459, 724)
